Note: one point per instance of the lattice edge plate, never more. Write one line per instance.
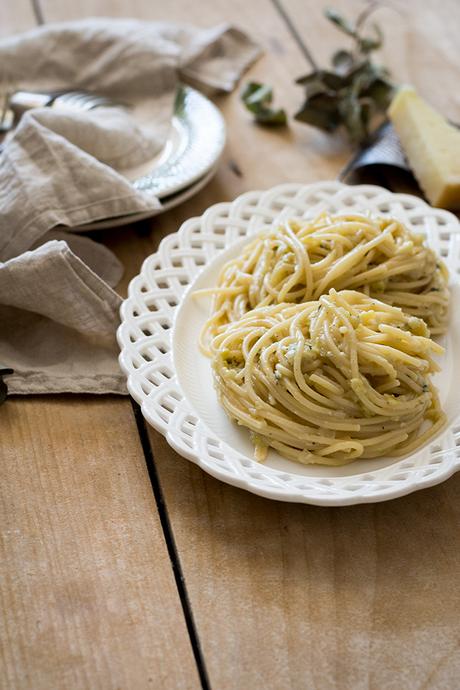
(146, 333)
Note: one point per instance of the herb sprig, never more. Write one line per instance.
(353, 93)
(355, 89)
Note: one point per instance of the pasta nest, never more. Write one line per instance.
(331, 380)
(301, 260)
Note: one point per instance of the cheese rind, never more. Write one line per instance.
(432, 147)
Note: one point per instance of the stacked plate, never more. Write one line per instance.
(186, 163)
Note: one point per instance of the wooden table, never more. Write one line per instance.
(126, 567)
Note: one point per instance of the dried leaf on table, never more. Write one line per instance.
(257, 99)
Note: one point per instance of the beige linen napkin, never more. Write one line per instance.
(58, 311)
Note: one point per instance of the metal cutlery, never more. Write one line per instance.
(20, 102)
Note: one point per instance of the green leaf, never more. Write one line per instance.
(367, 111)
(320, 111)
(315, 88)
(257, 98)
(307, 78)
(355, 122)
(362, 77)
(263, 95)
(367, 44)
(378, 32)
(339, 21)
(179, 104)
(334, 81)
(343, 61)
(317, 118)
(325, 101)
(269, 116)
(330, 80)
(381, 92)
(354, 89)
(255, 95)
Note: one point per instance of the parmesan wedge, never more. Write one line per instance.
(432, 147)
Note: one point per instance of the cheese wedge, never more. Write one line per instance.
(431, 145)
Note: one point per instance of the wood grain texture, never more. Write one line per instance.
(420, 47)
(283, 596)
(14, 17)
(87, 595)
(290, 596)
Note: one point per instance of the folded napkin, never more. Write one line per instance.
(58, 309)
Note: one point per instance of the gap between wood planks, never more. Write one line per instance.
(171, 544)
(158, 495)
(150, 458)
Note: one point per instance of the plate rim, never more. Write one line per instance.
(255, 201)
(120, 221)
(207, 162)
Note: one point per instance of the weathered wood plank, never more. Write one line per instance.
(291, 596)
(87, 594)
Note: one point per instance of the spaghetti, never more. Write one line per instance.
(329, 381)
(301, 260)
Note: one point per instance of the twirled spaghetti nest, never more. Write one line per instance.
(329, 381)
(301, 260)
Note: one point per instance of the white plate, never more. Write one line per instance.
(194, 146)
(171, 380)
(186, 163)
(168, 203)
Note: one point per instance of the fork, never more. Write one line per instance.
(21, 101)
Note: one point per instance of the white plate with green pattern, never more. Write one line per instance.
(195, 144)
